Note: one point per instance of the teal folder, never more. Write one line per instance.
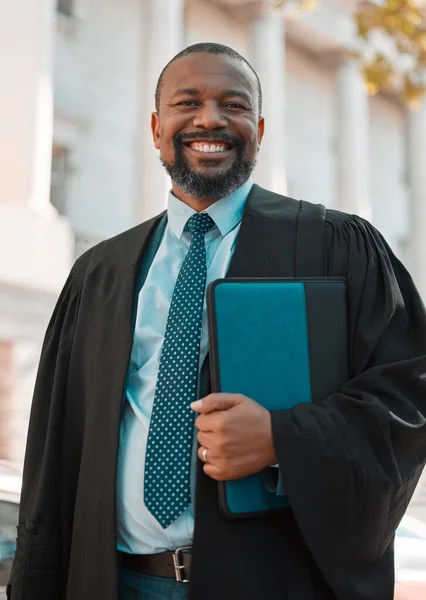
(279, 342)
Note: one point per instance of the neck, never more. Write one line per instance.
(198, 204)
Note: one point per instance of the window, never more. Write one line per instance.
(66, 7)
(60, 173)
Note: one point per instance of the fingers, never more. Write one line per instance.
(207, 423)
(215, 402)
(202, 455)
(215, 467)
(212, 471)
(217, 472)
(205, 439)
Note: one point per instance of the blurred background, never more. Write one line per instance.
(343, 86)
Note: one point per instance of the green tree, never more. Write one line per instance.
(403, 23)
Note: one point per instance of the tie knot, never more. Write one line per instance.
(200, 222)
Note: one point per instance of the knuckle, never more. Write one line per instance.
(220, 444)
(223, 447)
(221, 424)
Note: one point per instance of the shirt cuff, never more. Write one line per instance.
(273, 480)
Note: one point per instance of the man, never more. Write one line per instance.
(112, 481)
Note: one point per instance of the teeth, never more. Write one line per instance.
(208, 147)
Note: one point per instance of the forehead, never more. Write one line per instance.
(208, 73)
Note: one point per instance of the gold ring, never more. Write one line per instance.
(204, 455)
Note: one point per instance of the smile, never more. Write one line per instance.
(203, 147)
(215, 150)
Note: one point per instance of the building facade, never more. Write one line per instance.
(78, 164)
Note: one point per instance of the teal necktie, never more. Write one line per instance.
(169, 447)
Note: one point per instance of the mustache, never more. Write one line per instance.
(211, 136)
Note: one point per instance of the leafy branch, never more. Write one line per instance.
(400, 66)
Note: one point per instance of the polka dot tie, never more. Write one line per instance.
(169, 448)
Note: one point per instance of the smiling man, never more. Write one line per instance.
(126, 444)
(208, 153)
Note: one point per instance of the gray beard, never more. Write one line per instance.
(208, 187)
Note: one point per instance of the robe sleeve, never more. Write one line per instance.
(350, 463)
(40, 510)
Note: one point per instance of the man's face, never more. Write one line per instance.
(208, 129)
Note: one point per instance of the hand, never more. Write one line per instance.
(237, 433)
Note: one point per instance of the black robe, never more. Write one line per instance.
(350, 462)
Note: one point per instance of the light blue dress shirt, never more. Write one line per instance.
(138, 532)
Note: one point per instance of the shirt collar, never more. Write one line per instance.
(226, 212)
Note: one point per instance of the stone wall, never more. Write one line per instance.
(98, 83)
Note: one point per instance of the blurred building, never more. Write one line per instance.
(77, 162)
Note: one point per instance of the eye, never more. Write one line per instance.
(234, 105)
(187, 103)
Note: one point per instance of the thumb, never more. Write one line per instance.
(214, 402)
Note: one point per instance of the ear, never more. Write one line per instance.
(155, 128)
(260, 131)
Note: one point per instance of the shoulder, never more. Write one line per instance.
(277, 206)
(337, 223)
(351, 228)
(354, 246)
(337, 217)
(120, 251)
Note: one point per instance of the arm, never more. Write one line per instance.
(36, 569)
(350, 464)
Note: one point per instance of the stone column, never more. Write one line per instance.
(163, 39)
(353, 161)
(6, 397)
(26, 102)
(417, 189)
(416, 250)
(268, 59)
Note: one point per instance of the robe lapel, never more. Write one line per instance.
(121, 297)
(267, 237)
(121, 306)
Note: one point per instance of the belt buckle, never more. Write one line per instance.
(178, 564)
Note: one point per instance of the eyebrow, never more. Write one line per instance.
(194, 92)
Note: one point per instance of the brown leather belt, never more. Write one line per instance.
(174, 565)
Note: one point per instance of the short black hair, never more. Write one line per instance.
(209, 48)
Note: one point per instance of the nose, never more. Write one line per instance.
(210, 117)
